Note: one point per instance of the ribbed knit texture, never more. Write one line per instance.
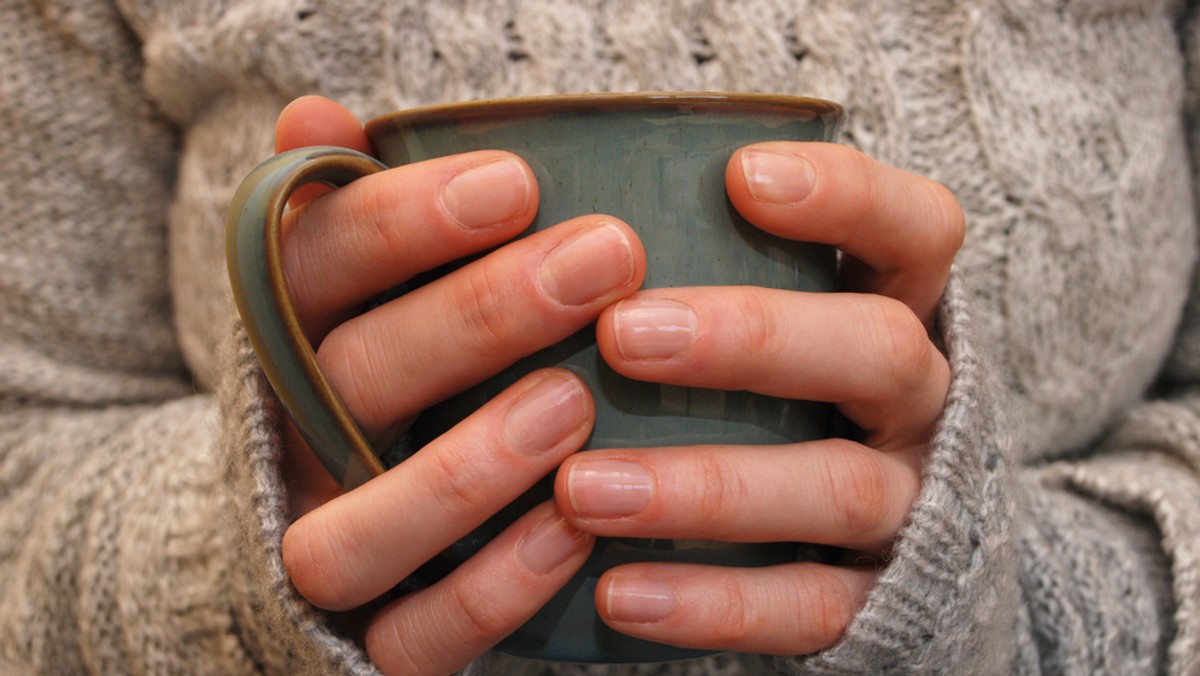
(1058, 529)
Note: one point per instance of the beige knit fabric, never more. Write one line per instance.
(141, 507)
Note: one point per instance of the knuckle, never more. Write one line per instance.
(735, 624)
(875, 191)
(858, 482)
(462, 485)
(309, 548)
(395, 649)
(299, 269)
(346, 356)
(861, 165)
(828, 604)
(385, 236)
(480, 618)
(718, 489)
(903, 345)
(483, 305)
(862, 172)
(948, 223)
(757, 322)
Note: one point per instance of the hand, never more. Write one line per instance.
(867, 350)
(344, 249)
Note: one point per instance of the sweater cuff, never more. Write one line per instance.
(949, 593)
(277, 625)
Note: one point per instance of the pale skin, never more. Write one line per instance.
(867, 349)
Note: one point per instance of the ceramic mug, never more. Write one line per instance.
(656, 161)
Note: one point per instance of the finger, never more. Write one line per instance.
(440, 629)
(792, 609)
(317, 121)
(434, 341)
(381, 230)
(834, 492)
(899, 230)
(359, 545)
(869, 354)
(309, 484)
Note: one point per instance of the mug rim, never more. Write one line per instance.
(826, 110)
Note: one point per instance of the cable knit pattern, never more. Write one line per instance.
(1058, 527)
(84, 315)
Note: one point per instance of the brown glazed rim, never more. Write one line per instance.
(484, 108)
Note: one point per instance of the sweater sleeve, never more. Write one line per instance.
(1077, 567)
(1083, 565)
(142, 508)
(139, 509)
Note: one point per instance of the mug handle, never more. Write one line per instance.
(253, 256)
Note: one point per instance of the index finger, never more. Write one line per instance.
(899, 231)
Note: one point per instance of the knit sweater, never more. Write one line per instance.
(1058, 527)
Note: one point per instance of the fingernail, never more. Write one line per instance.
(487, 194)
(653, 328)
(777, 178)
(550, 544)
(636, 599)
(544, 415)
(588, 265)
(608, 488)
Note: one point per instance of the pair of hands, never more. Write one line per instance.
(867, 350)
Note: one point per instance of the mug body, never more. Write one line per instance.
(657, 162)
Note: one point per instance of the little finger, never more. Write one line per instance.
(791, 609)
(440, 629)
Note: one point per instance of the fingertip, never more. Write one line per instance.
(637, 250)
(769, 182)
(309, 555)
(735, 180)
(552, 545)
(552, 414)
(634, 598)
(491, 595)
(315, 120)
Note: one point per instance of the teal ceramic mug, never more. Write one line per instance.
(655, 160)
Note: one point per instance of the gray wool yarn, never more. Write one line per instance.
(139, 449)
